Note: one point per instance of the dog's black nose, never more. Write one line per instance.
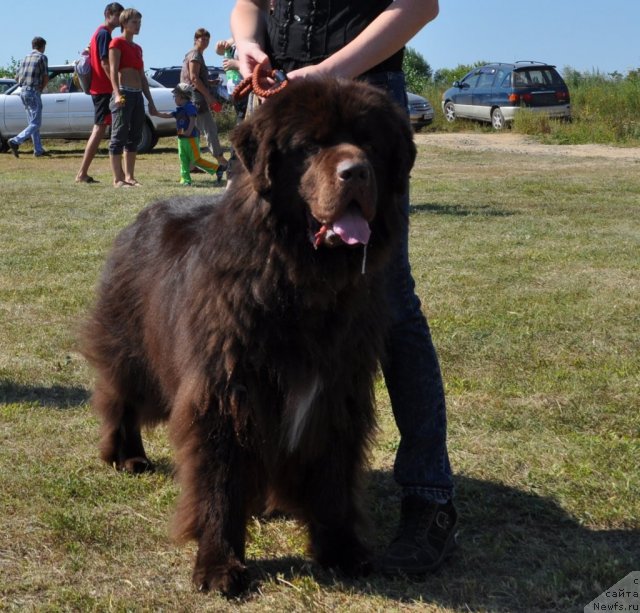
(354, 171)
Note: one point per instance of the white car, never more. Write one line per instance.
(67, 112)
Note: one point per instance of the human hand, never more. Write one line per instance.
(222, 46)
(308, 72)
(230, 64)
(250, 55)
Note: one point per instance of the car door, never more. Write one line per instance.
(502, 88)
(481, 94)
(14, 115)
(55, 106)
(462, 99)
(81, 112)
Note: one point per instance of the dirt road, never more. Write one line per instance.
(509, 142)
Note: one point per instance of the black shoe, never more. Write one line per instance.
(14, 148)
(426, 534)
(220, 172)
(42, 154)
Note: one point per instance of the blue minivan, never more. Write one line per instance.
(495, 92)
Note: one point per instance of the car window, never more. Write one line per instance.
(59, 83)
(471, 79)
(486, 78)
(520, 78)
(502, 78)
(537, 76)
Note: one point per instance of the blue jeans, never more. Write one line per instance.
(33, 105)
(411, 369)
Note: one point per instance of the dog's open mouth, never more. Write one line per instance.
(349, 229)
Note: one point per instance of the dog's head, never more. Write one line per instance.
(333, 156)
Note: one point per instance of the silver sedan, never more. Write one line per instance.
(67, 112)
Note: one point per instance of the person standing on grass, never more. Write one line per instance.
(127, 104)
(33, 77)
(365, 39)
(101, 88)
(194, 72)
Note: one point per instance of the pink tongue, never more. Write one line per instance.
(352, 228)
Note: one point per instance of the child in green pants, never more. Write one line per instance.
(188, 135)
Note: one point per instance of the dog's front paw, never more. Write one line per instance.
(231, 579)
(354, 560)
(135, 466)
(355, 563)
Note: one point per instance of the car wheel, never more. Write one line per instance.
(497, 119)
(4, 145)
(148, 139)
(449, 111)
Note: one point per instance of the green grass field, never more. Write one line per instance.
(528, 267)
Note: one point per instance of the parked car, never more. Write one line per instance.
(420, 111)
(170, 77)
(67, 112)
(495, 92)
(6, 83)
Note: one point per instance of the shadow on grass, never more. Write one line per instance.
(480, 210)
(517, 551)
(55, 396)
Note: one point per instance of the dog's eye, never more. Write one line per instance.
(310, 149)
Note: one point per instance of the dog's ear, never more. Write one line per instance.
(252, 145)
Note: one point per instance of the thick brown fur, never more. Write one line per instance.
(220, 316)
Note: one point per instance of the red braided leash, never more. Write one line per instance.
(252, 83)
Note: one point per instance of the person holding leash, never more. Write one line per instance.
(364, 39)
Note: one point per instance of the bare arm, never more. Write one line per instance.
(196, 81)
(248, 20)
(114, 69)
(189, 129)
(147, 92)
(385, 35)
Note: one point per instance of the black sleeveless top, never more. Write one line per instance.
(304, 32)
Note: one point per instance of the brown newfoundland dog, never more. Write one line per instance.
(254, 324)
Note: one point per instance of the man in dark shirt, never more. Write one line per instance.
(364, 39)
(33, 76)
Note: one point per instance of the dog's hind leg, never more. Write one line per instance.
(121, 440)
